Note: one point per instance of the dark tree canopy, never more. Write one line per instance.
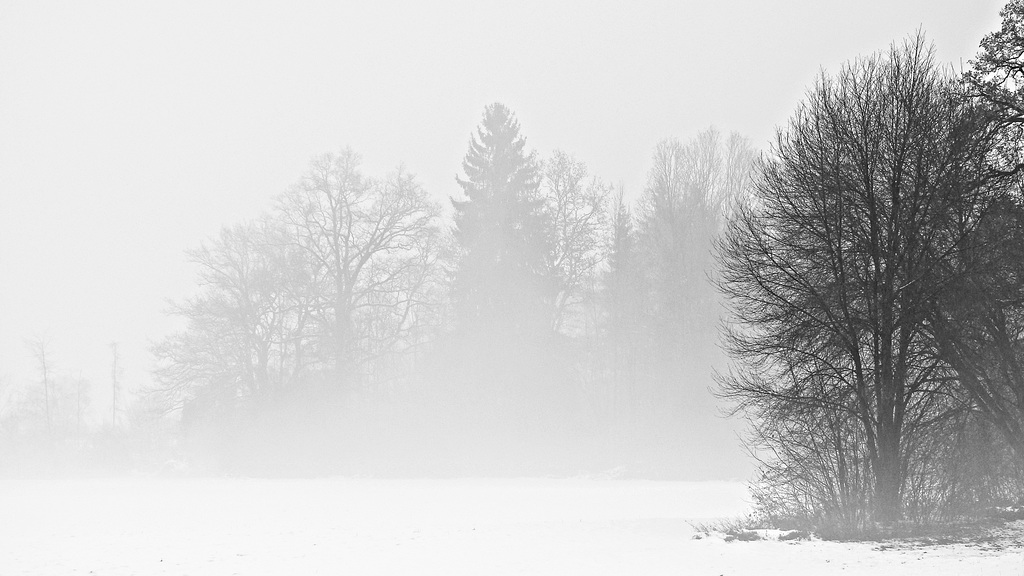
(869, 198)
(979, 327)
(997, 77)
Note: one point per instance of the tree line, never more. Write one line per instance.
(547, 314)
(875, 289)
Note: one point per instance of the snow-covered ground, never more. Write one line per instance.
(148, 526)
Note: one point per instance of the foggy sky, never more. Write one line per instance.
(132, 131)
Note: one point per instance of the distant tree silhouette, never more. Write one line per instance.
(505, 363)
(40, 350)
(372, 243)
(245, 331)
(625, 298)
(690, 188)
(502, 283)
(577, 205)
(317, 290)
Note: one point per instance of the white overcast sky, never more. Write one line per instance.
(130, 131)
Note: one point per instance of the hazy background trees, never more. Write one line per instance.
(657, 304)
(302, 308)
(61, 422)
(552, 327)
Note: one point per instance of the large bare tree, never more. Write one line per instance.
(337, 275)
(832, 271)
(374, 243)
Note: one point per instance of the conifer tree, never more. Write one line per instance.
(502, 284)
(624, 291)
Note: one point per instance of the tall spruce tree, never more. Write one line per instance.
(507, 369)
(502, 285)
(625, 294)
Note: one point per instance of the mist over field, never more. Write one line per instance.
(534, 288)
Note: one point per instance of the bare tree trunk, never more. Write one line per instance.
(39, 348)
(888, 477)
(343, 337)
(114, 383)
(78, 407)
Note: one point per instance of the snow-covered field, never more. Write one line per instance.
(353, 526)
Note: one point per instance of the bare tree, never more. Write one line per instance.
(81, 402)
(831, 272)
(374, 244)
(577, 205)
(248, 331)
(691, 188)
(115, 384)
(40, 349)
(338, 276)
